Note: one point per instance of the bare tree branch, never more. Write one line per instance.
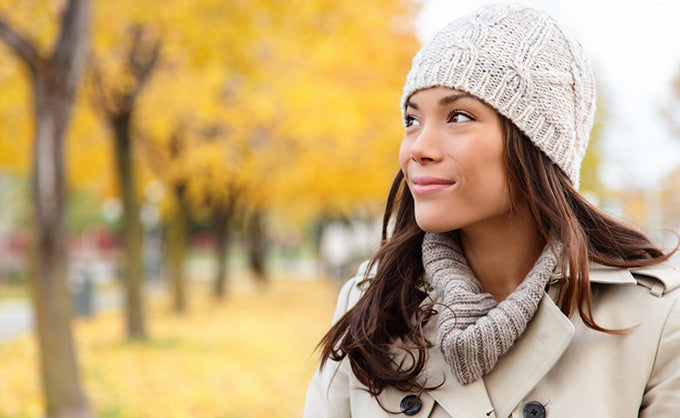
(150, 64)
(98, 97)
(21, 46)
(142, 58)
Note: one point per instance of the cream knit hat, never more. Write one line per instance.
(524, 64)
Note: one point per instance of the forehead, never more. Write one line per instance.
(437, 91)
(442, 96)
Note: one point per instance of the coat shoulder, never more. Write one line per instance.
(661, 279)
(353, 289)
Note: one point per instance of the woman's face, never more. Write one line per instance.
(453, 159)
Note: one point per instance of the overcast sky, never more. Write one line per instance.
(635, 49)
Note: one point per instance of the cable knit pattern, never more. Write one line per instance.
(473, 329)
(521, 62)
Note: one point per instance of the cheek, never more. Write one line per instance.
(492, 170)
(497, 182)
(486, 170)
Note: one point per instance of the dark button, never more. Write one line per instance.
(533, 409)
(411, 405)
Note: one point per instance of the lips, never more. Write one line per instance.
(426, 185)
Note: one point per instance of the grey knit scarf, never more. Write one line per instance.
(474, 330)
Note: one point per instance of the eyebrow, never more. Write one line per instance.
(446, 100)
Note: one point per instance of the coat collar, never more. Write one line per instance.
(517, 372)
(609, 275)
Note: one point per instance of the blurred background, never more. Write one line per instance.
(185, 184)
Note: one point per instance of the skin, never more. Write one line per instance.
(452, 156)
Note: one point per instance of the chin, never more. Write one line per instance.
(434, 225)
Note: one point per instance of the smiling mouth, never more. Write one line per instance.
(425, 185)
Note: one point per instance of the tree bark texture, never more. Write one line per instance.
(132, 229)
(176, 250)
(54, 81)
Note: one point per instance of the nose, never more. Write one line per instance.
(426, 147)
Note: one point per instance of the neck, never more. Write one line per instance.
(501, 252)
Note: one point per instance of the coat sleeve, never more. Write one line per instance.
(662, 394)
(328, 392)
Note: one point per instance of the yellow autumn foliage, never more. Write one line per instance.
(250, 357)
(294, 104)
(15, 129)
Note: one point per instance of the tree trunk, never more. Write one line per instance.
(221, 217)
(176, 250)
(132, 229)
(54, 81)
(51, 299)
(117, 104)
(256, 242)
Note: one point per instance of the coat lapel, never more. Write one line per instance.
(544, 341)
(517, 372)
(459, 401)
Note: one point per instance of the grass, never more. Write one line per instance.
(249, 356)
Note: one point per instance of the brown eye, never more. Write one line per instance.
(410, 121)
(459, 117)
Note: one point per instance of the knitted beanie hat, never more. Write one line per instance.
(521, 62)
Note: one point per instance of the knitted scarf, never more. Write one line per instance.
(474, 330)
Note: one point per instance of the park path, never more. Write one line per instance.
(16, 316)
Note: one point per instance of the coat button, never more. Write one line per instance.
(533, 409)
(410, 405)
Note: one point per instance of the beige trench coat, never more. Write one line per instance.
(570, 369)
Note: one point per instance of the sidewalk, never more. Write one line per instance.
(16, 316)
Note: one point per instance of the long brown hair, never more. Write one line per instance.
(390, 310)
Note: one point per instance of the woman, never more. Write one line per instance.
(499, 290)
